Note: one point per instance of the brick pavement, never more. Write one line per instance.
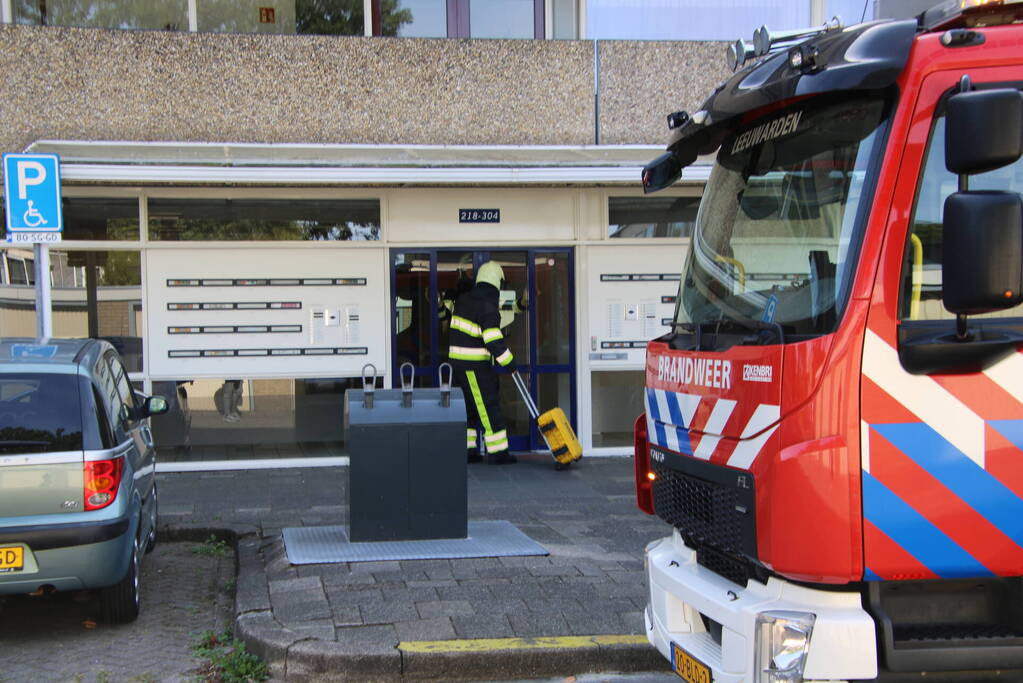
(49, 639)
(344, 621)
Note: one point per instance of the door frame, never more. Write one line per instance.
(480, 256)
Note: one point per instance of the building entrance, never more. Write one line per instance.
(537, 318)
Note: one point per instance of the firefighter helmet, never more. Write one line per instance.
(491, 273)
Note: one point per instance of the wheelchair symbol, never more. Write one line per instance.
(32, 217)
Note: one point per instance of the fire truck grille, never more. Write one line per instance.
(931, 632)
(724, 565)
(708, 514)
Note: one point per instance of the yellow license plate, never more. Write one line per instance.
(12, 559)
(689, 667)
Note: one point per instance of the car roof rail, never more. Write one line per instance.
(85, 348)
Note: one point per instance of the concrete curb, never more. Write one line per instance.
(528, 657)
(297, 658)
(199, 533)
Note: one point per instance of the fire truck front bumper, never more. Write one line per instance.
(713, 629)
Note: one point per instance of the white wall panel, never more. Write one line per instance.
(630, 292)
(262, 313)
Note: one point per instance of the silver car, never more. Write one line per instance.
(78, 499)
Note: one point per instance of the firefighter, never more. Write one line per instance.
(476, 344)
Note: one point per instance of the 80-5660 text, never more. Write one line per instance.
(33, 237)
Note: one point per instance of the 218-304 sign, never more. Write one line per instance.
(479, 215)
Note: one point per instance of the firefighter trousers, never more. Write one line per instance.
(483, 410)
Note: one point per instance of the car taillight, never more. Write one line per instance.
(102, 479)
(641, 462)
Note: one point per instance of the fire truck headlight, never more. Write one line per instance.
(782, 641)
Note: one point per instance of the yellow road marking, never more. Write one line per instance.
(493, 644)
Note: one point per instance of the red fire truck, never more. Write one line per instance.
(834, 426)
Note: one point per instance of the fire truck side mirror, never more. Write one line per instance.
(662, 172)
(982, 252)
(983, 130)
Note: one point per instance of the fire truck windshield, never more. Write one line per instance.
(781, 218)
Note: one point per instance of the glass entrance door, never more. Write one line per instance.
(537, 318)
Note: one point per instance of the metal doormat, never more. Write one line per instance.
(325, 544)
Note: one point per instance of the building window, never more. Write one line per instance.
(617, 399)
(565, 20)
(405, 18)
(414, 18)
(328, 17)
(459, 18)
(176, 220)
(99, 294)
(251, 16)
(167, 15)
(690, 19)
(18, 267)
(17, 295)
(246, 419)
(101, 218)
(94, 294)
(651, 216)
(502, 19)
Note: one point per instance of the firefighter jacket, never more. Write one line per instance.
(476, 335)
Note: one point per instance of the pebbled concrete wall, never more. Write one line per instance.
(96, 84)
(641, 82)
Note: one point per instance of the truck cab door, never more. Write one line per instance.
(941, 452)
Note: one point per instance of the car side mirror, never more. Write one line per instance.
(124, 415)
(983, 130)
(155, 405)
(662, 172)
(982, 252)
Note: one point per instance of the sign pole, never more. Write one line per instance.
(44, 309)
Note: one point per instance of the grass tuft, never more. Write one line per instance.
(211, 547)
(225, 660)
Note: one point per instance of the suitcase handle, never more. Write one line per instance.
(520, 384)
(369, 385)
(445, 387)
(406, 387)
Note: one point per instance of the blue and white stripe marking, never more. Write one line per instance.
(670, 417)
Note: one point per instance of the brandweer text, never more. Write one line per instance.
(700, 371)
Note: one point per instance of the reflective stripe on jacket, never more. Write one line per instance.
(476, 335)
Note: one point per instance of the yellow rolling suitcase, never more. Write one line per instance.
(553, 426)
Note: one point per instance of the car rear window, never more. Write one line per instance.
(39, 413)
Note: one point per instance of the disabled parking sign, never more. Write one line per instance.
(32, 199)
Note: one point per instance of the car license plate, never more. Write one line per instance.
(691, 669)
(12, 559)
